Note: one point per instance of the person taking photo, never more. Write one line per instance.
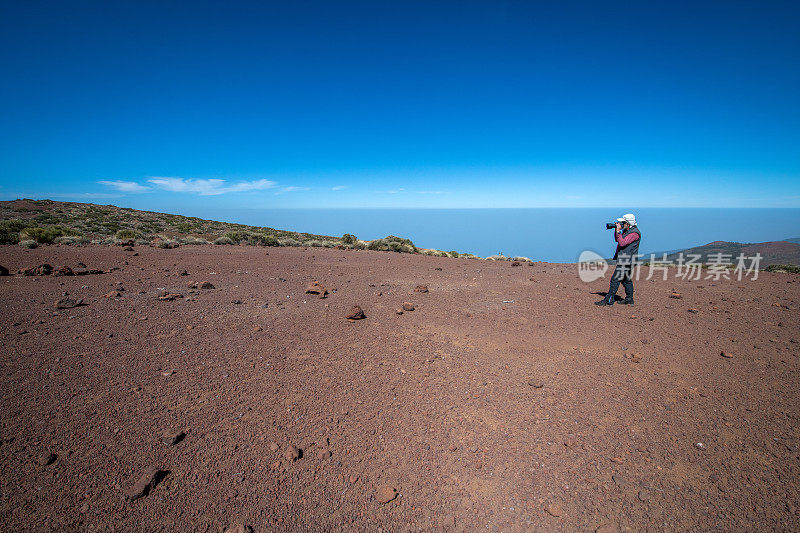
(627, 237)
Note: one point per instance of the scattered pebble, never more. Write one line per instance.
(385, 493)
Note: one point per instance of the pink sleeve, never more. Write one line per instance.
(625, 241)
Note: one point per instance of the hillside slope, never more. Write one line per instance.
(772, 252)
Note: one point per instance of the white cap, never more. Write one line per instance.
(629, 218)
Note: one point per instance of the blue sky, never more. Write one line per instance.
(176, 106)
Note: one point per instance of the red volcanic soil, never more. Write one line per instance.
(504, 401)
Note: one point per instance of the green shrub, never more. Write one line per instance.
(236, 236)
(349, 239)
(9, 230)
(68, 240)
(43, 235)
(261, 239)
(793, 269)
(223, 240)
(453, 254)
(289, 242)
(127, 235)
(315, 243)
(29, 243)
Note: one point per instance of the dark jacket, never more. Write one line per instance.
(627, 245)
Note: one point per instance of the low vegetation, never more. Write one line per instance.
(792, 269)
(35, 222)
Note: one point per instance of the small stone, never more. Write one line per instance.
(147, 482)
(399, 311)
(273, 446)
(554, 509)
(47, 458)
(699, 445)
(356, 313)
(421, 288)
(693, 310)
(173, 437)
(407, 306)
(238, 528)
(353, 479)
(536, 383)
(68, 303)
(236, 302)
(515, 264)
(617, 460)
(292, 453)
(385, 493)
(207, 285)
(322, 455)
(112, 294)
(643, 496)
(726, 355)
(676, 295)
(569, 443)
(3, 271)
(316, 287)
(168, 373)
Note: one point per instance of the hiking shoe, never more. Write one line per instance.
(627, 301)
(604, 301)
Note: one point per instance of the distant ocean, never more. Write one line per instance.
(546, 234)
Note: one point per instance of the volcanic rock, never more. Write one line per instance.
(63, 271)
(421, 288)
(554, 509)
(112, 294)
(324, 454)
(147, 482)
(172, 437)
(238, 528)
(316, 287)
(292, 453)
(726, 355)
(41, 270)
(207, 285)
(356, 313)
(515, 264)
(47, 458)
(676, 295)
(408, 306)
(385, 493)
(68, 303)
(3, 271)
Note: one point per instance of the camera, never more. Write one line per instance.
(611, 225)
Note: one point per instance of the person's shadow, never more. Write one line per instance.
(617, 297)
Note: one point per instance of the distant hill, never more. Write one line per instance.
(32, 222)
(772, 253)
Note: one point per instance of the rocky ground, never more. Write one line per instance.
(137, 400)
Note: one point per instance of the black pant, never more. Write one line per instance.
(623, 273)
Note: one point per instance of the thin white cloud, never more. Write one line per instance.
(209, 187)
(430, 192)
(395, 191)
(338, 187)
(293, 188)
(125, 186)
